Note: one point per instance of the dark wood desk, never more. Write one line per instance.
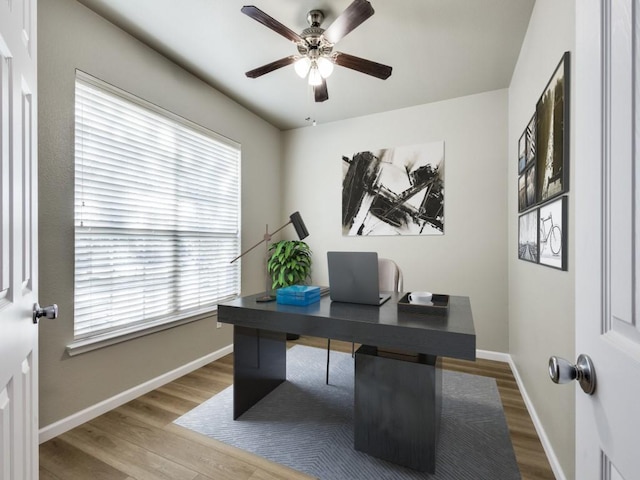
(260, 357)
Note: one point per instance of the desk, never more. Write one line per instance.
(260, 350)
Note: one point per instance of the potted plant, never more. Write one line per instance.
(289, 263)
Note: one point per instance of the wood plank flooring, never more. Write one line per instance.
(138, 440)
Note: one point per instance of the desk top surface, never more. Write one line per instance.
(452, 335)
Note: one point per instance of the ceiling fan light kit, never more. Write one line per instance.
(315, 79)
(302, 66)
(316, 57)
(325, 67)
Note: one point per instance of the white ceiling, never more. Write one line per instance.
(439, 49)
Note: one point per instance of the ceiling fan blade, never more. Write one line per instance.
(362, 65)
(270, 67)
(353, 16)
(320, 92)
(271, 23)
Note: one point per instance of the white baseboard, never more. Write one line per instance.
(548, 449)
(496, 356)
(551, 456)
(83, 416)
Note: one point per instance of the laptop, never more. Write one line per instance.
(353, 278)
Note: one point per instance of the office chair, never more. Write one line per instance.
(389, 280)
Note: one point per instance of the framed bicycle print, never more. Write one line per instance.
(552, 135)
(528, 236)
(552, 233)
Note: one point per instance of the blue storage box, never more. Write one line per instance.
(298, 295)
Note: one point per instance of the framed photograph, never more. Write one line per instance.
(531, 141)
(552, 135)
(530, 197)
(552, 234)
(522, 152)
(527, 189)
(528, 236)
(522, 193)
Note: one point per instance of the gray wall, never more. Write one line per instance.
(541, 299)
(469, 259)
(70, 36)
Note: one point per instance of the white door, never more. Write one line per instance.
(18, 242)
(607, 196)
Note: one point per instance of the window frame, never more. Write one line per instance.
(81, 344)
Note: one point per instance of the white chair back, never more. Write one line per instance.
(389, 276)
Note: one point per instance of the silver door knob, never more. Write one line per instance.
(48, 312)
(561, 371)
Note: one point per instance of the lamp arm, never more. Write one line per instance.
(247, 251)
(288, 223)
(266, 238)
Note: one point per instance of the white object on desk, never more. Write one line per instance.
(420, 297)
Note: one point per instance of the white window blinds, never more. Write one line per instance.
(157, 214)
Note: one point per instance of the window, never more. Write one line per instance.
(157, 214)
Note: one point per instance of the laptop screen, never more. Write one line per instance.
(353, 278)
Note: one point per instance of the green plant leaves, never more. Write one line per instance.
(289, 263)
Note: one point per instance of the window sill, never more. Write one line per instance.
(96, 342)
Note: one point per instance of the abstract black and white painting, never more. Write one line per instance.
(552, 234)
(528, 236)
(394, 191)
(552, 135)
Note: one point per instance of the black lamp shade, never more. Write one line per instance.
(299, 225)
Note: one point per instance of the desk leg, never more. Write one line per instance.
(397, 408)
(259, 365)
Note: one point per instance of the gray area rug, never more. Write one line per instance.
(308, 425)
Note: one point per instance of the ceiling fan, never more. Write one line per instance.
(316, 57)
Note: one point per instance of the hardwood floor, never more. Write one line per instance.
(138, 440)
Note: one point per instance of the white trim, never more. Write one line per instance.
(546, 444)
(548, 449)
(89, 413)
(77, 347)
(495, 356)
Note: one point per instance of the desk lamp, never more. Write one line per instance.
(302, 232)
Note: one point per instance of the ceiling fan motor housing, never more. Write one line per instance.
(314, 44)
(315, 18)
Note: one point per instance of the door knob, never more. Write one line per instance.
(561, 371)
(49, 312)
